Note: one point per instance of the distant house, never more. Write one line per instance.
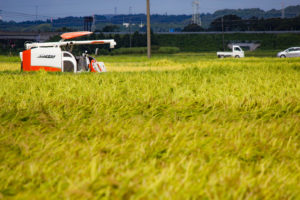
(126, 25)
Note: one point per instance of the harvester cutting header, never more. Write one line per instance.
(50, 57)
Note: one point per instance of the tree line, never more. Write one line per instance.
(160, 22)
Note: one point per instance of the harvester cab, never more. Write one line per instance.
(49, 56)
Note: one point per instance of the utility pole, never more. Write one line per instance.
(130, 39)
(223, 33)
(51, 24)
(148, 30)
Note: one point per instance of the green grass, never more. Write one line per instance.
(184, 126)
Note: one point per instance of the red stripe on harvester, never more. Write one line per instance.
(97, 42)
(48, 69)
(26, 60)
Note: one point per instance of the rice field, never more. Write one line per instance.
(183, 126)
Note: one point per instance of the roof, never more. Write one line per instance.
(71, 35)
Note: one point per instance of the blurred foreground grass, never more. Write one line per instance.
(185, 126)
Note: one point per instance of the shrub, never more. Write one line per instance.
(133, 50)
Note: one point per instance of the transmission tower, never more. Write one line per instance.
(94, 24)
(36, 12)
(88, 21)
(116, 11)
(282, 10)
(196, 13)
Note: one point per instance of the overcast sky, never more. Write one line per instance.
(61, 8)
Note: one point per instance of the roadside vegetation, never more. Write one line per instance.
(171, 43)
(181, 126)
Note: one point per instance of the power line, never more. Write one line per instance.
(13, 13)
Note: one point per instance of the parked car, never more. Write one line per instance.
(289, 53)
(237, 52)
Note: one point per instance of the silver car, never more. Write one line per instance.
(290, 53)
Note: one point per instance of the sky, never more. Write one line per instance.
(22, 10)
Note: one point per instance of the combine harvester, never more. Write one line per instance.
(50, 57)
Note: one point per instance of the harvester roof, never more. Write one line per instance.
(71, 35)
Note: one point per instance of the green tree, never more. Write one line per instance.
(111, 28)
(193, 28)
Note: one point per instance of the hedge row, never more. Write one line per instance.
(140, 50)
(213, 42)
(170, 43)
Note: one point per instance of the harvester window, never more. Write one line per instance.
(67, 55)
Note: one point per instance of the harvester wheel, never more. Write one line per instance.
(21, 66)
